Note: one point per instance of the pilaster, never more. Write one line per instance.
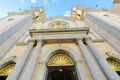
(107, 69)
(33, 61)
(81, 71)
(92, 66)
(20, 64)
(41, 75)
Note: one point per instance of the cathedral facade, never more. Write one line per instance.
(84, 46)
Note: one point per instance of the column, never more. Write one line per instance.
(81, 70)
(20, 64)
(105, 29)
(12, 34)
(107, 69)
(41, 75)
(32, 63)
(93, 68)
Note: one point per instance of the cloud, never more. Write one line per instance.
(67, 13)
(33, 1)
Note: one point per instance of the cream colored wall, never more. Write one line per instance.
(107, 35)
(46, 25)
(107, 16)
(104, 47)
(37, 25)
(115, 7)
(80, 24)
(15, 51)
(73, 46)
(101, 47)
(5, 23)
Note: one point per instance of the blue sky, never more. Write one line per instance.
(52, 7)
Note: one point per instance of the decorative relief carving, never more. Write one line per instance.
(58, 24)
(6, 70)
(60, 60)
(115, 65)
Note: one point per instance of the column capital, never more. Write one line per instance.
(32, 40)
(84, 40)
(78, 39)
(40, 41)
(87, 40)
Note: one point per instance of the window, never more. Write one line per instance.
(6, 70)
(58, 25)
(114, 64)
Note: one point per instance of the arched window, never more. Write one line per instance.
(58, 24)
(115, 64)
(61, 67)
(60, 60)
(6, 70)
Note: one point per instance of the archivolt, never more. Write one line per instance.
(46, 55)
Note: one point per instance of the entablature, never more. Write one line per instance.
(82, 30)
(56, 38)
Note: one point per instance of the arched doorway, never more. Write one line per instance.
(61, 67)
(114, 64)
(6, 70)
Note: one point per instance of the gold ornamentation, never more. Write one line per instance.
(115, 65)
(58, 25)
(60, 60)
(6, 70)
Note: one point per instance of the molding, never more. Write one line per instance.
(48, 53)
(83, 30)
(111, 55)
(4, 62)
(57, 17)
(97, 40)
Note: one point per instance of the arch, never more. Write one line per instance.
(111, 55)
(45, 56)
(60, 59)
(60, 64)
(114, 61)
(58, 24)
(6, 66)
(6, 69)
(51, 19)
(12, 59)
(72, 53)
